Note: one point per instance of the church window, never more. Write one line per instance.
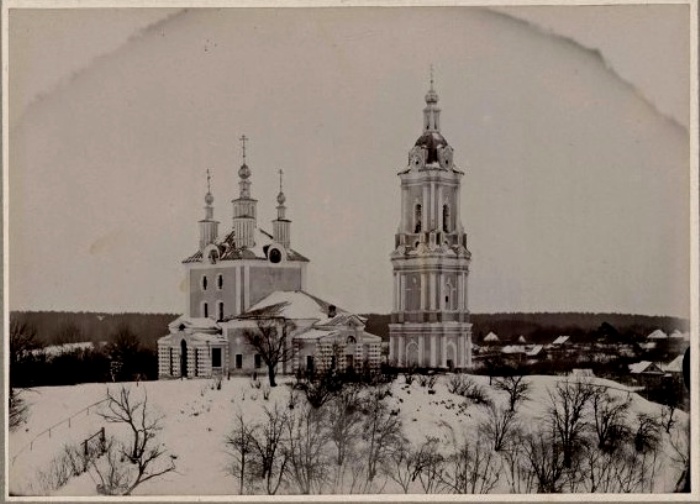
(418, 216)
(205, 282)
(446, 218)
(220, 308)
(219, 282)
(205, 309)
(275, 256)
(239, 361)
(258, 361)
(310, 363)
(216, 357)
(351, 340)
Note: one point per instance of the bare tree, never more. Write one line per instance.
(519, 478)
(272, 341)
(381, 433)
(646, 434)
(308, 466)
(499, 425)
(429, 464)
(610, 419)
(566, 415)
(344, 421)
(144, 454)
(544, 460)
(516, 387)
(18, 410)
(270, 458)
(241, 444)
(470, 469)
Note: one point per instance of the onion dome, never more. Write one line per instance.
(281, 198)
(431, 140)
(209, 199)
(244, 171)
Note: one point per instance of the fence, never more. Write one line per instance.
(48, 431)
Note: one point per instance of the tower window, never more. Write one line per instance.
(220, 307)
(418, 216)
(219, 282)
(446, 218)
(205, 309)
(205, 282)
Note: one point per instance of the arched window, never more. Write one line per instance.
(275, 256)
(220, 310)
(219, 281)
(351, 340)
(205, 282)
(205, 309)
(446, 218)
(417, 218)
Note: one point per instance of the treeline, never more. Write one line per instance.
(542, 327)
(57, 328)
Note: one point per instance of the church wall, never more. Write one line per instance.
(266, 278)
(212, 294)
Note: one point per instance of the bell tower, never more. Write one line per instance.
(430, 317)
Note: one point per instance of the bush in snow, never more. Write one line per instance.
(499, 426)
(610, 419)
(129, 463)
(471, 469)
(305, 448)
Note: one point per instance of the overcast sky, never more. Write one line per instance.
(571, 124)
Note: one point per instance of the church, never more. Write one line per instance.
(430, 317)
(247, 281)
(246, 278)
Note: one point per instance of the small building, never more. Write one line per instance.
(491, 338)
(645, 368)
(561, 340)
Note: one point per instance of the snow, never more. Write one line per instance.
(658, 334)
(491, 337)
(675, 366)
(197, 417)
(560, 340)
(298, 305)
(54, 350)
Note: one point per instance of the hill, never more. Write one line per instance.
(197, 417)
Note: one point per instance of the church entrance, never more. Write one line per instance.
(183, 359)
(412, 354)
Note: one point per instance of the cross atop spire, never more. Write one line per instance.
(208, 181)
(432, 81)
(281, 173)
(243, 140)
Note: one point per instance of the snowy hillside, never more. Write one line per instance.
(197, 419)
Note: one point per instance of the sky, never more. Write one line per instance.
(571, 124)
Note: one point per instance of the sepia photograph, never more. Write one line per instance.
(350, 249)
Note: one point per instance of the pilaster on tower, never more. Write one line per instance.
(281, 225)
(208, 227)
(244, 207)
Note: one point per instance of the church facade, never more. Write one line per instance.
(430, 317)
(248, 281)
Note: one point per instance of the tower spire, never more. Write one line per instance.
(208, 227)
(431, 112)
(280, 226)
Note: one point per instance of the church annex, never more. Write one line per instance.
(430, 318)
(248, 279)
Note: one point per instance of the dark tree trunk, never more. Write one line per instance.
(271, 375)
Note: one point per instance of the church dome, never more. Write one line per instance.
(209, 199)
(431, 140)
(244, 171)
(281, 198)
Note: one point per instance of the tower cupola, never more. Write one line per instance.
(208, 227)
(244, 207)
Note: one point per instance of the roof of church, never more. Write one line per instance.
(295, 305)
(229, 252)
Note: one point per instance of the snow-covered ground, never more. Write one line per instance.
(196, 419)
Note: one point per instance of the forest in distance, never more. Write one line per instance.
(60, 327)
